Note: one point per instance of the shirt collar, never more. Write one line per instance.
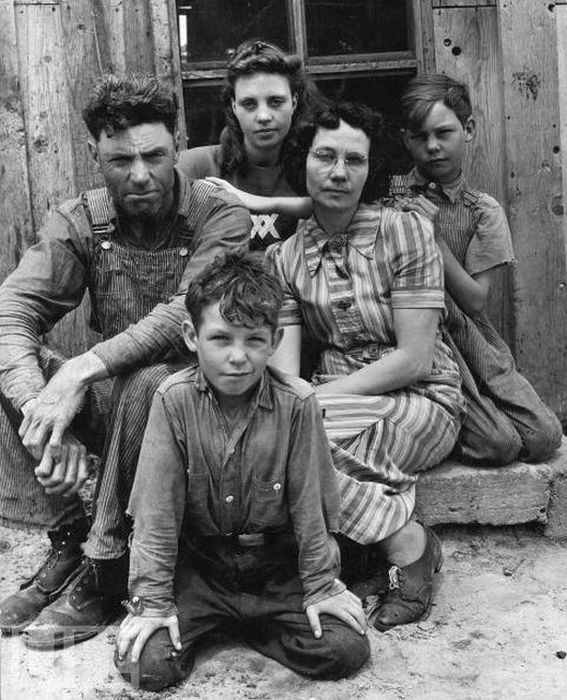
(451, 190)
(262, 394)
(360, 236)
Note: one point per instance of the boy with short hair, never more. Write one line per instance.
(234, 500)
(506, 419)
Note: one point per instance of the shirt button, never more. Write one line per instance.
(106, 245)
(229, 499)
(183, 252)
(344, 304)
(277, 487)
(432, 186)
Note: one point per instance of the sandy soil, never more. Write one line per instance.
(497, 628)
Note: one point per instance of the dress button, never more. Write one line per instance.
(183, 252)
(344, 304)
(106, 245)
(277, 487)
(432, 186)
(229, 499)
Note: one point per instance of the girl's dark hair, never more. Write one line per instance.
(425, 90)
(259, 57)
(248, 293)
(329, 116)
(117, 102)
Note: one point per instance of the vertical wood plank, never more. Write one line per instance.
(46, 94)
(425, 40)
(528, 35)
(560, 149)
(16, 231)
(467, 48)
(167, 60)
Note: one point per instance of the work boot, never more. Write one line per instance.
(411, 587)
(61, 565)
(85, 608)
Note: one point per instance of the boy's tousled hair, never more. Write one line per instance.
(118, 102)
(251, 57)
(423, 91)
(328, 116)
(249, 295)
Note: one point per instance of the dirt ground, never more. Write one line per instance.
(498, 629)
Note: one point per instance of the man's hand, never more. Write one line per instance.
(135, 631)
(47, 417)
(423, 206)
(346, 606)
(63, 470)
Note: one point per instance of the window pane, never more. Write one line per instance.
(336, 27)
(382, 94)
(204, 113)
(208, 29)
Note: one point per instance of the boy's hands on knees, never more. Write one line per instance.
(63, 470)
(135, 631)
(423, 206)
(346, 606)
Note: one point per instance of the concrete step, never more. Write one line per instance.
(517, 493)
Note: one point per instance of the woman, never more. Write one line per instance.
(265, 92)
(367, 282)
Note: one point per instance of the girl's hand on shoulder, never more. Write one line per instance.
(423, 206)
(135, 631)
(219, 182)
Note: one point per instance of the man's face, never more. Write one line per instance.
(438, 146)
(264, 106)
(337, 167)
(232, 357)
(138, 167)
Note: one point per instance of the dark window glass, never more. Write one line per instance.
(381, 93)
(204, 114)
(336, 27)
(209, 29)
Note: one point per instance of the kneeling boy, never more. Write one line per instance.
(234, 500)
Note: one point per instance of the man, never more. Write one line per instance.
(134, 246)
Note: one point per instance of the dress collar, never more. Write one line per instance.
(360, 236)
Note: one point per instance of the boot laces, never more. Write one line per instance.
(394, 578)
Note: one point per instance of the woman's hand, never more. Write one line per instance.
(346, 606)
(423, 206)
(135, 631)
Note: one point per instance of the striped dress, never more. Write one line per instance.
(344, 291)
(506, 419)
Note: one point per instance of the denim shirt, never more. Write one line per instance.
(272, 473)
(54, 274)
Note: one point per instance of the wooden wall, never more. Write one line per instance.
(512, 53)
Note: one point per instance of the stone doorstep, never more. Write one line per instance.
(517, 493)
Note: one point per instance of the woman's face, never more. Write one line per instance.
(337, 167)
(264, 107)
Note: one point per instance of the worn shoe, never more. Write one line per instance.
(90, 603)
(411, 587)
(61, 565)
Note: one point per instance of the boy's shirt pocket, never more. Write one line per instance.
(268, 503)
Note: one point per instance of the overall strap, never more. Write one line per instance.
(200, 202)
(100, 210)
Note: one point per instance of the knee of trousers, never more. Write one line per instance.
(345, 651)
(542, 439)
(158, 667)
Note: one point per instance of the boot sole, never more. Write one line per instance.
(62, 640)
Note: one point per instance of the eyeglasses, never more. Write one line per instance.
(329, 159)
